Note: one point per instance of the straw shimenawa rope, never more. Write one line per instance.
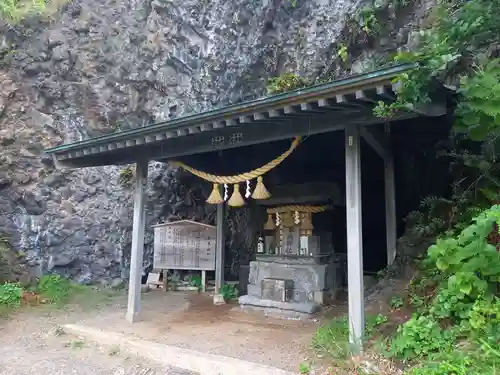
(292, 215)
(236, 200)
(299, 208)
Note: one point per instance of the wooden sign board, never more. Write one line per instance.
(184, 245)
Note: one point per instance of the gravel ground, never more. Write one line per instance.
(29, 343)
(32, 344)
(192, 321)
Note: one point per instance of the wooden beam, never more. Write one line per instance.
(354, 239)
(390, 203)
(245, 119)
(306, 107)
(219, 248)
(386, 93)
(274, 113)
(253, 134)
(206, 127)
(138, 226)
(376, 139)
(259, 116)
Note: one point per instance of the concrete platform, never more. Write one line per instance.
(190, 360)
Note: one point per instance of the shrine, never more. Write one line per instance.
(296, 266)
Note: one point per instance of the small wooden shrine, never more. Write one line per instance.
(295, 266)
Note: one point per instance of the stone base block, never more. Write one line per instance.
(219, 299)
(277, 289)
(299, 307)
(275, 313)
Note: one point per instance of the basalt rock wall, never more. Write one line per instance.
(90, 67)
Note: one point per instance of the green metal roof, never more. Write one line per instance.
(337, 100)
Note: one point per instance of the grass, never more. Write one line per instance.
(54, 292)
(331, 343)
(331, 340)
(14, 11)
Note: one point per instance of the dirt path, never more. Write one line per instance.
(32, 344)
(191, 321)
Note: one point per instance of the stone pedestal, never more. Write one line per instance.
(288, 284)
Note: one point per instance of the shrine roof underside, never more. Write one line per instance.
(317, 109)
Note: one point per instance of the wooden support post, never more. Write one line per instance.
(219, 249)
(390, 202)
(203, 281)
(354, 239)
(165, 280)
(134, 290)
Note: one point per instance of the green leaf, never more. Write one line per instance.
(442, 264)
(466, 288)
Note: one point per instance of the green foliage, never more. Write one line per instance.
(10, 294)
(195, 280)
(343, 53)
(285, 82)
(229, 292)
(459, 36)
(127, 175)
(331, 340)
(420, 336)
(55, 288)
(397, 302)
(459, 329)
(479, 109)
(304, 368)
(17, 10)
(367, 18)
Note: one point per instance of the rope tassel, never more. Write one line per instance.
(236, 199)
(260, 191)
(215, 197)
(270, 223)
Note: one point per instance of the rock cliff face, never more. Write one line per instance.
(91, 67)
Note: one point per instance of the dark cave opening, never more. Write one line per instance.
(321, 158)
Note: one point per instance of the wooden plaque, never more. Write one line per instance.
(184, 245)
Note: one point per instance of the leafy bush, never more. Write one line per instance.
(285, 82)
(127, 176)
(16, 10)
(228, 292)
(421, 336)
(10, 294)
(465, 309)
(331, 340)
(55, 288)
